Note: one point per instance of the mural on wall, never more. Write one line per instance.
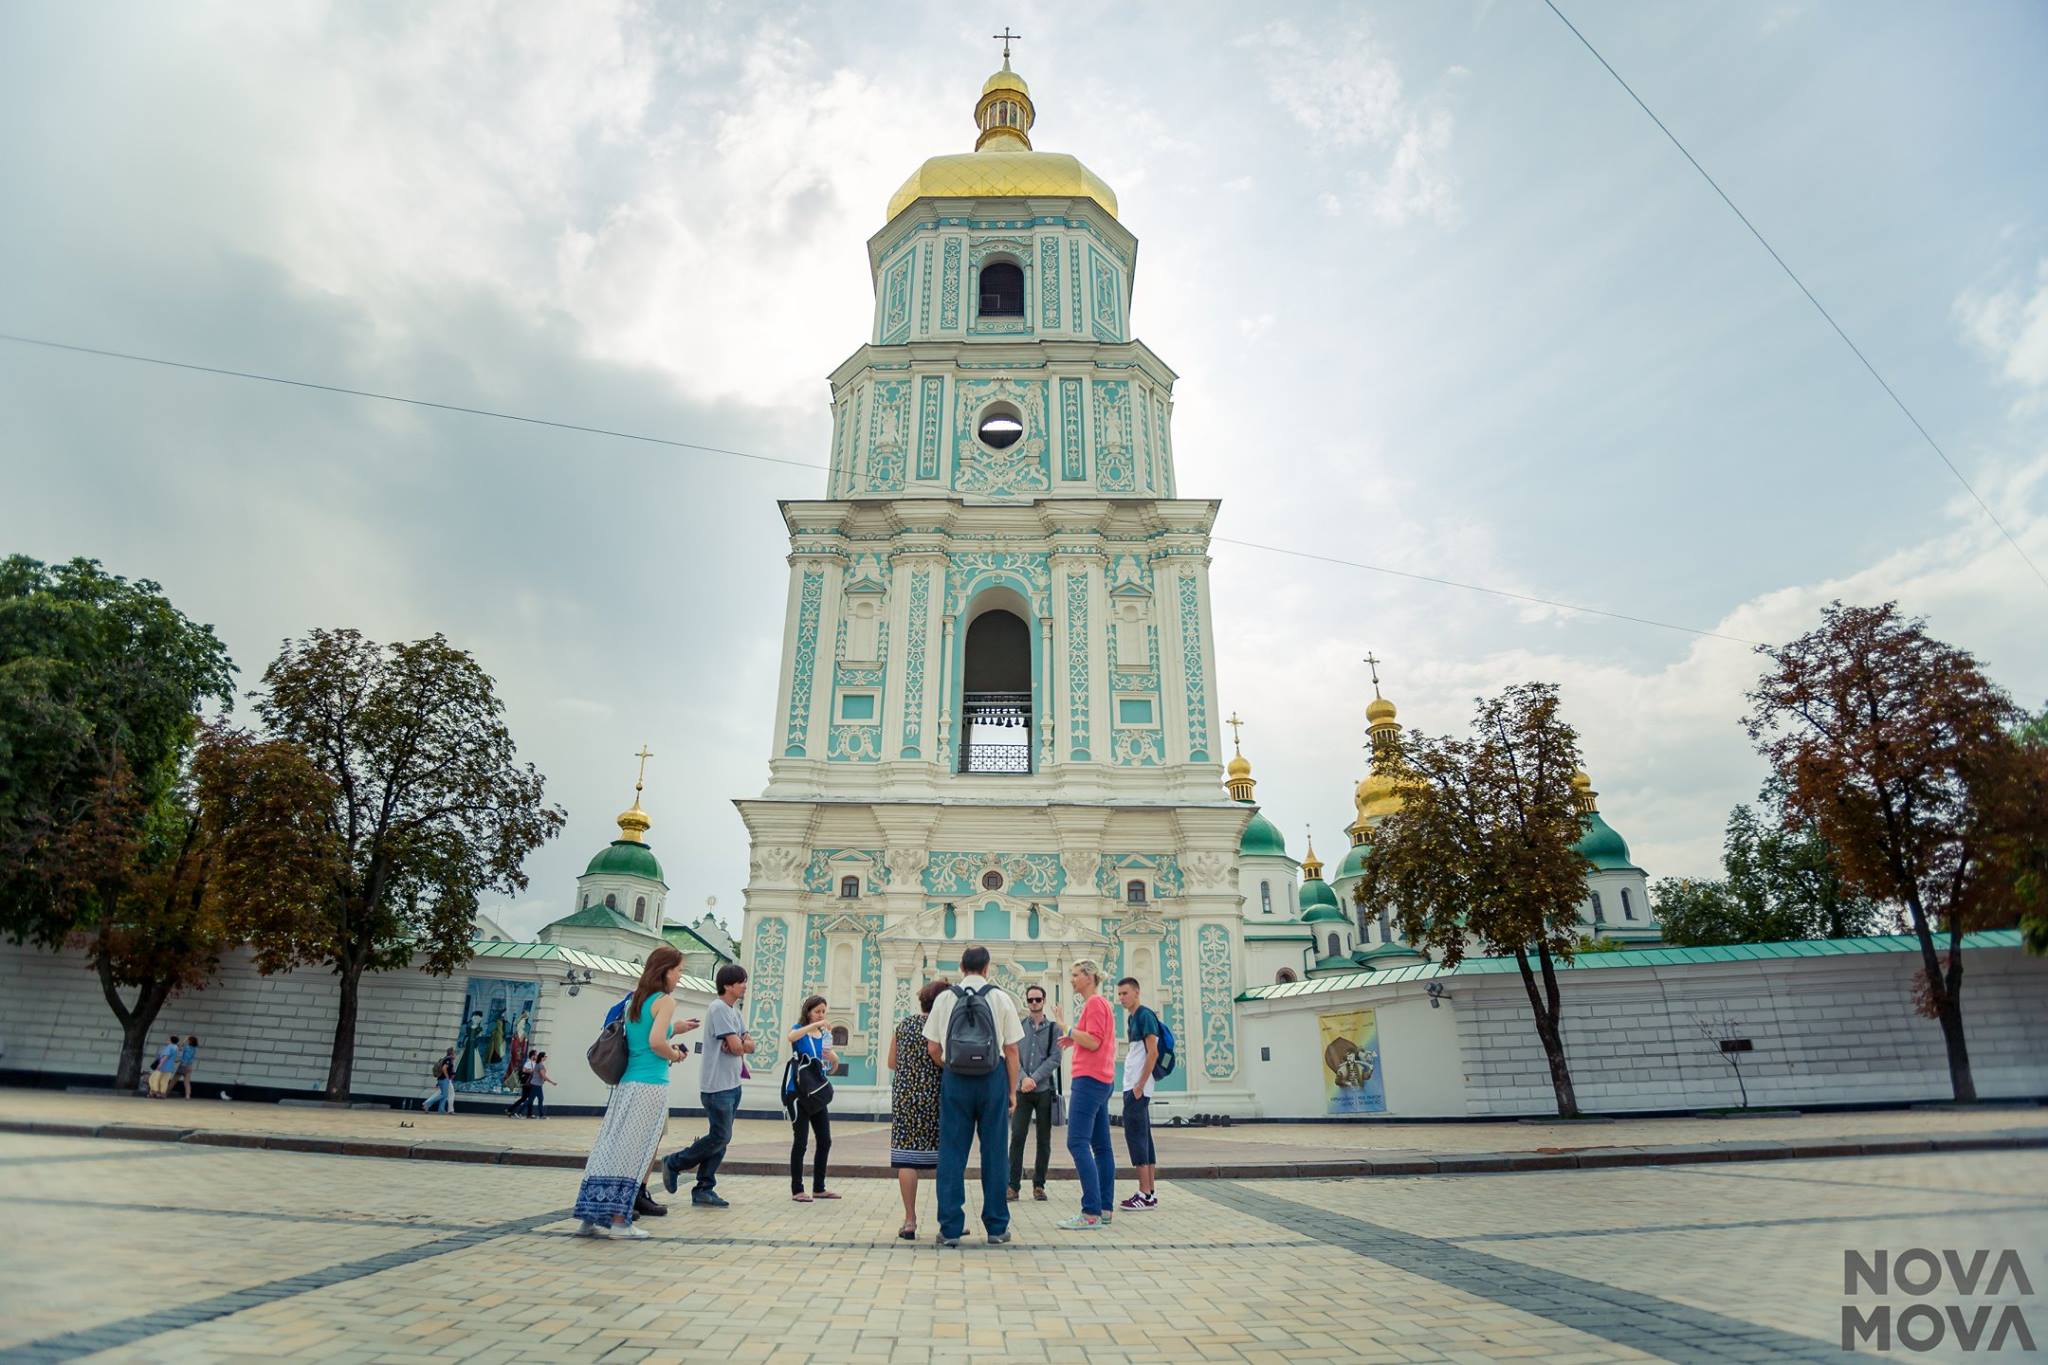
(494, 1034)
(1352, 1079)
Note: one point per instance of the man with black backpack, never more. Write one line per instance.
(972, 1033)
(1148, 1058)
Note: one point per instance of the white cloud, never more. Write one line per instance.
(1346, 92)
(1252, 329)
(2010, 326)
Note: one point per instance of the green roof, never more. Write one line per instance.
(1314, 892)
(1601, 846)
(1261, 839)
(1633, 957)
(627, 858)
(598, 915)
(686, 939)
(576, 957)
(1354, 862)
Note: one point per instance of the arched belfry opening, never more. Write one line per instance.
(995, 690)
(1002, 290)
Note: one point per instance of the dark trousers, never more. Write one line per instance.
(1031, 1105)
(805, 1125)
(524, 1104)
(537, 1101)
(720, 1107)
(973, 1107)
(1088, 1143)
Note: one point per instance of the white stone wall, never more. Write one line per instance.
(1419, 1052)
(277, 1032)
(1826, 1030)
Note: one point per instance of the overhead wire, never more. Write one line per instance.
(1793, 276)
(473, 411)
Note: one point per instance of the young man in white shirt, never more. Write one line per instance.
(1141, 1054)
(978, 1070)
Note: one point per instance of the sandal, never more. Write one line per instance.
(908, 1232)
(824, 1194)
(801, 1198)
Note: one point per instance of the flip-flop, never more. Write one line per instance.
(908, 1232)
(801, 1198)
(824, 1194)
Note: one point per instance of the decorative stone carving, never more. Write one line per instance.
(904, 864)
(1080, 866)
(777, 863)
(1207, 871)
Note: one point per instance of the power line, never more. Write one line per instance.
(807, 464)
(400, 398)
(1791, 275)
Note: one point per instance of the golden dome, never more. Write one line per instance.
(1377, 710)
(1378, 795)
(1312, 866)
(1003, 165)
(633, 822)
(1239, 767)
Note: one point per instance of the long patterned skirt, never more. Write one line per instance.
(625, 1145)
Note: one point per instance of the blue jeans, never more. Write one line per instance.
(720, 1106)
(1088, 1143)
(446, 1099)
(1138, 1130)
(971, 1106)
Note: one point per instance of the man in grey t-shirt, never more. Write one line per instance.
(718, 1079)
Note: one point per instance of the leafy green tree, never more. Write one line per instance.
(1781, 882)
(1482, 849)
(2027, 848)
(1900, 752)
(430, 809)
(101, 684)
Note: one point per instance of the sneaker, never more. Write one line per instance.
(628, 1230)
(1137, 1202)
(1038, 1193)
(646, 1206)
(590, 1229)
(996, 1239)
(1080, 1222)
(946, 1241)
(705, 1199)
(1105, 1217)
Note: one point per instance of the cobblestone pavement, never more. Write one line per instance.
(166, 1252)
(856, 1141)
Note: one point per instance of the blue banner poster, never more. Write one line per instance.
(1352, 1082)
(495, 1032)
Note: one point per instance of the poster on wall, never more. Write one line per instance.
(1352, 1081)
(493, 1037)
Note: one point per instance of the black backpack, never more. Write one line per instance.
(805, 1087)
(971, 1045)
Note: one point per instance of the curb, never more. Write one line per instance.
(1462, 1163)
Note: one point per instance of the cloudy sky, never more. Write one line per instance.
(1441, 300)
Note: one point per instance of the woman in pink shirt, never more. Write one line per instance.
(1092, 1040)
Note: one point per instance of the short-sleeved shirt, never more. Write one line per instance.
(1097, 1064)
(167, 1059)
(1143, 1024)
(721, 1069)
(186, 1054)
(1009, 1027)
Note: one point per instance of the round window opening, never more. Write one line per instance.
(1000, 427)
(991, 881)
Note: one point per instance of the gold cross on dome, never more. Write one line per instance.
(1006, 38)
(1233, 723)
(644, 754)
(1372, 662)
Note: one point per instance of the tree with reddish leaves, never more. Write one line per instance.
(1903, 755)
(1482, 849)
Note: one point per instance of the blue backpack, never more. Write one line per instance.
(1163, 1065)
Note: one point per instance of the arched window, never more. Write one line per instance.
(1336, 946)
(839, 1035)
(611, 900)
(849, 888)
(1265, 898)
(640, 909)
(1134, 893)
(1031, 923)
(1628, 908)
(995, 693)
(1285, 975)
(586, 902)
(1599, 915)
(952, 922)
(1364, 927)
(1002, 290)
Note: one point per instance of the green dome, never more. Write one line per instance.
(626, 858)
(1601, 846)
(1321, 913)
(1354, 862)
(1315, 893)
(1262, 839)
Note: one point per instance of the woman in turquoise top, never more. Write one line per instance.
(624, 1152)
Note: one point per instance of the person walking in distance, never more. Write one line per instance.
(633, 1120)
(718, 1078)
(188, 1057)
(1093, 1047)
(812, 1037)
(913, 1104)
(1038, 1058)
(524, 1104)
(973, 1033)
(1141, 1055)
(537, 1082)
(444, 1084)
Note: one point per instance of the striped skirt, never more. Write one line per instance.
(625, 1145)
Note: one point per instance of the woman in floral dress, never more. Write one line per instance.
(913, 1104)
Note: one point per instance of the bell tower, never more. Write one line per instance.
(996, 716)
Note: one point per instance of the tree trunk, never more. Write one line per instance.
(136, 1022)
(1547, 1030)
(341, 1066)
(1959, 1077)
